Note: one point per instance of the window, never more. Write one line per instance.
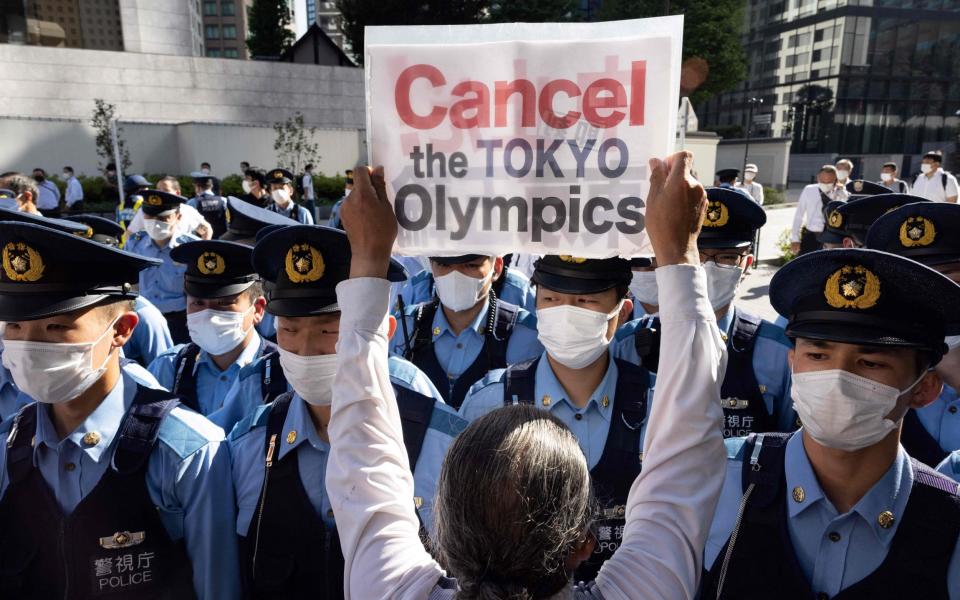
(228, 8)
(209, 9)
(213, 52)
(212, 32)
(818, 35)
(816, 55)
(231, 53)
(229, 32)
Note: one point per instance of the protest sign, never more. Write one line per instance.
(527, 138)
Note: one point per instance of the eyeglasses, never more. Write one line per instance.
(723, 259)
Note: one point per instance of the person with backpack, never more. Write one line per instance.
(933, 183)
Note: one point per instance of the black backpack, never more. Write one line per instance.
(298, 185)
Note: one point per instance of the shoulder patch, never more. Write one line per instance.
(627, 329)
(180, 432)
(446, 420)
(257, 418)
(735, 447)
(774, 333)
(491, 378)
(517, 278)
(421, 277)
(402, 371)
(171, 351)
(526, 318)
(254, 368)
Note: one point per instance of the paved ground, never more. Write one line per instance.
(755, 287)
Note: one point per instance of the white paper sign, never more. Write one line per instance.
(526, 138)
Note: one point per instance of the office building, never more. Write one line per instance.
(225, 28)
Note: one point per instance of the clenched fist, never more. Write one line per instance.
(370, 224)
(675, 209)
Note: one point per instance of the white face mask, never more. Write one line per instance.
(218, 331)
(575, 337)
(722, 284)
(460, 292)
(67, 176)
(952, 342)
(205, 171)
(281, 197)
(926, 168)
(826, 188)
(54, 373)
(158, 230)
(644, 288)
(247, 186)
(310, 376)
(843, 174)
(844, 411)
(749, 175)
(888, 177)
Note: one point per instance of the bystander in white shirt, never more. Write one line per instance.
(936, 186)
(74, 192)
(809, 212)
(308, 193)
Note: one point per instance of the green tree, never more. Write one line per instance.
(357, 14)
(103, 116)
(534, 11)
(294, 143)
(269, 26)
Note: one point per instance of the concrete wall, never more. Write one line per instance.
(62, 83)
(163, 147)
(772, 157)
(162, 27)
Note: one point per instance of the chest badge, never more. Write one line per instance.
(123, 539)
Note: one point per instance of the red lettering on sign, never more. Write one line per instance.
(402, 96)
(479, 104)
(546, 103)
(528, 99)
(614, 97)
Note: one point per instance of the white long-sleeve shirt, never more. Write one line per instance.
(810, 210)
(670, 505)
(937, 187)
(74, 192)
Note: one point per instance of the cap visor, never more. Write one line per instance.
(28, 307)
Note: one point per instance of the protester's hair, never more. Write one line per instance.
(513, 503)
(935, 155)
(308, 167)
(19, 183)
(829, 169)
(890, 165)
(204, 164)
(727, 177)
(173, 181)
(204, 184)
(845, 161)
(257, 174)
(42, 172)
(68, 169)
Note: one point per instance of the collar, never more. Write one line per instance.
(726, 322)
(298, 427)
(549, 393)
(441, 326)
(889, 494)
(246, 357)
(101, 426)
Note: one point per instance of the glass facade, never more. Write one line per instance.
(848, 77)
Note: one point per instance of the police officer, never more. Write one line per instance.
(245, 220)
(163, 285)
(133, 186)
(109, 488)
(280, 183)
(756, 385)
(643, 286)
(510, 285)
(224, 303)
(951, 465)
(255, 187)
(335, 210)
(929, 233)
(212, 207)
(290, 547)
(857, 215)
(833, 234)
(839, 509)
(604, 401)
(466, 330)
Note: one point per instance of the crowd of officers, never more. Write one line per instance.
(167, 399)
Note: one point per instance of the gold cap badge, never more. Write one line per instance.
(858, 186)
(835, 220)
(278, 174)
(211, 263)
(852, 287)
(717, 214)
(576, 260)
(304, 264)
(917, 231)
(21, 262)
(154, 200)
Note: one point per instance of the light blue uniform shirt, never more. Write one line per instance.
(151, 336)
(188, 479)
(941, 419)
(247, 450)
(294, 211)
(591, 428)
(771, 365)
(334, 220)
(10, 396)
(161, 285)
(516, 290)
(456, 353)
(829, 567)
(951, 465)
(212, 383)
(267, 327)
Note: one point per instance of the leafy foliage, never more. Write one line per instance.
(534, 11)
(294, 143)
(104, 114)
(269, 26)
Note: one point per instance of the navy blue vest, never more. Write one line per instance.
(113, 545)
(919, 443)
(501, 318)
(214, 210)
(185, 382)
(288, 552)
(744, 411)
(763, 564)
(620, 461)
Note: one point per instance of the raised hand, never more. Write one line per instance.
(370, 223)
(675, 209)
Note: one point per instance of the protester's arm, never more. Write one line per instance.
(673, 499)
(368, 475)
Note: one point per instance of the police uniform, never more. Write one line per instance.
(215, 269)
(857, 215)
(951, 465)
(137, 501)
(212, 207)
(900, 540)
(334, 220)
(833, 232)
(132, 201)
(293, 210)
(858, 188)
(501, 334)
(512, 286)
(285, 523)
(162, 285)
(610, 426)
(926, 232)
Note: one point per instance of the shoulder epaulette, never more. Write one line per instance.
(627, 329)
(735, 447)
(176, 433)
(257, 418)
(774, 333)
(402, 370)
(526, 318)
(254, 368)
(446, 420)
(492, 377)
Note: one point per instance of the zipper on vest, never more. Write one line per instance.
(263, 498)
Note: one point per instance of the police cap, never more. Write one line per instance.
(156, 203)
(457, 260)
(280, 175)
(215, 268)
(858, 215)
(927, 232)
(861, 187)
(302, 265)
(59, 224)
(105, 231)
(6, 194)
(574, 275)
(833, 232)
(244, 220)
(731, 221)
